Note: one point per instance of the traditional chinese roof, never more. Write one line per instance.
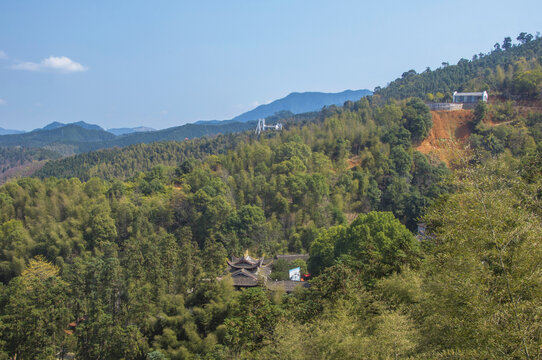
(244, 273)
(244, 277)
(247, 262)
(244, 282)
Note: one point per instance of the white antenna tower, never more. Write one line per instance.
(261, 126)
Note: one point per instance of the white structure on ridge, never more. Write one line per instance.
(470, 97)
(261, 126)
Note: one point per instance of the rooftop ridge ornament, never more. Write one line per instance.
(261, 126)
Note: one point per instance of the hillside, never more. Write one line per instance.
(18, 161)
(73, 139)
(112, 162)
(64, 134)
(449, 135)
(179, 133)
(125, 163)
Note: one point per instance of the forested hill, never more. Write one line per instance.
(125, 162)
(73, 139)
(486, 71)
(178, 133)
(84, 125)
(64, 134)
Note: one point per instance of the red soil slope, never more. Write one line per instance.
(448, 137)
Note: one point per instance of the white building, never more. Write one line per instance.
(470, 97)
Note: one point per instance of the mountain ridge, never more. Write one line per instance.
(296, 103)
(124, 131)
(57, 125)
(10, 131)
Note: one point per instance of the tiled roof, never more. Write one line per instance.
(469, 94)
(244, 273)
(247, 262)
(242, 265)
(244, 281)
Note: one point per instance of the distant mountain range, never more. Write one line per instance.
(84, 125)
(297, 103)
(73, 138)
(10, 132)
(56, 134)
(80, 136)
(124, 131)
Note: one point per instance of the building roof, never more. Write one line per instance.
(244, 281)
(470, 93)
(244, 273)
(242, 265)
(246, 259)
(247, 262)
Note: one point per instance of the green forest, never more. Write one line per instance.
(116, 254)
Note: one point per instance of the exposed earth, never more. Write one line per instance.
(449, 135)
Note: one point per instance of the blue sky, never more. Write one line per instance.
(165, 63)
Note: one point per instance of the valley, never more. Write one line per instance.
(418, 231)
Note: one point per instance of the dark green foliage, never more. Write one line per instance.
(252, 320)
(417, 119)
(127, 162)
(480, 112)
(35, 312)
(376, 243)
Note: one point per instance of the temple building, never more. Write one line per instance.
(247, 271)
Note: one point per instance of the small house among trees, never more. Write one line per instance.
(470, 97)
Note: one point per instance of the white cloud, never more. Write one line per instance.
(61, 64)
(3, 102)
(3, 55)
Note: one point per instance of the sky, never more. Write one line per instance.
(166, 63)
